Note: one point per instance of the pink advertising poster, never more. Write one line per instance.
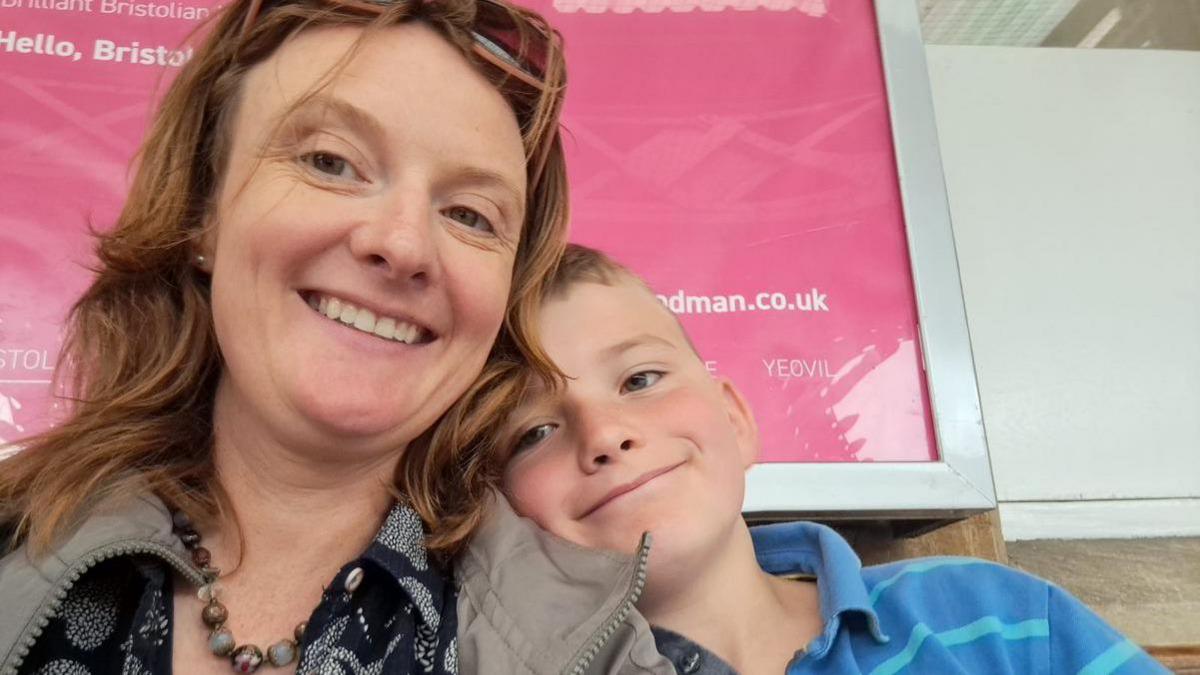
(737, 153)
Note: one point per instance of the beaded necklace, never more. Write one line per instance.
(244, 658)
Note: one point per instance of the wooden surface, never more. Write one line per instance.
(1183, 660)
(978, 537)
(1149, 589)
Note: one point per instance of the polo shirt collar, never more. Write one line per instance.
(812, 549)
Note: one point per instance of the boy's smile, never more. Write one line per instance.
(637, 483)
(641, 438)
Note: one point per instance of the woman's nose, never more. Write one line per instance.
(400, 241)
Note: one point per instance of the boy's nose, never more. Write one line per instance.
(604, 456)
(607, 438)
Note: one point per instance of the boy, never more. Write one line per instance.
(641, 439)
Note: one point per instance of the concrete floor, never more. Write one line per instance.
(1148, 589)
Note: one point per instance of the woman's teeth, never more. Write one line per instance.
(365, 320)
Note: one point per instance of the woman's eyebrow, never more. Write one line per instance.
(322, 107)
(481, 176)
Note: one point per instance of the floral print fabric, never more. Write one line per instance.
(400, 618)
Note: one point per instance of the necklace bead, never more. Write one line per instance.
(246, 659)
(221, 642)
(281, 653)
(210, 592)
(214, 614)
(189, 538)
(201, 556)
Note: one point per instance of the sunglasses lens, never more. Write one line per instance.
(525, 44)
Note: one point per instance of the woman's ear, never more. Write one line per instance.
(202, 262)
(204, 245)
(741, 417)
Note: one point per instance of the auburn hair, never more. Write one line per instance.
(140, 362)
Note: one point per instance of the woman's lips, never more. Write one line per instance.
(630, 487)
(364, 320)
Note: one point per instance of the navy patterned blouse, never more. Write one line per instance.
(399, 619)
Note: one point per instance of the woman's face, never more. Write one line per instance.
(362, 243)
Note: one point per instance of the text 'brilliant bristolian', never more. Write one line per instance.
(150, 10)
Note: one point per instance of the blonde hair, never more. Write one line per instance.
(140, 360)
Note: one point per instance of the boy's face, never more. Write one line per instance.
(642, 438)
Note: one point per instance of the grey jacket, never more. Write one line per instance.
(32, 591)
(530, 602)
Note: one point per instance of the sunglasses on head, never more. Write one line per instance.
(501, 37)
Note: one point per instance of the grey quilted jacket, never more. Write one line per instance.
(32, 591)
(528, 601)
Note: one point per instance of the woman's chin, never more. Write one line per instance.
(368, 418)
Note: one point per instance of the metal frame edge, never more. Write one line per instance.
(960, 482)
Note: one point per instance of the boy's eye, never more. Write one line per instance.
(331, 165)
(469, 217)
(534, 436)
(641, 380)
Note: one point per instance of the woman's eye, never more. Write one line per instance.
(641, 380)
(534, 436)
(469, 217)
(331, 164)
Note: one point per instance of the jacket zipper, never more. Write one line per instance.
(58, 594)
(584, 657)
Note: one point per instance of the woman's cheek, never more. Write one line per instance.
(482, 289)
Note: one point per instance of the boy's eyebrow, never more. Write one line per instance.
(637, 341)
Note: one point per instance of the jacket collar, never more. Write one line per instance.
(546, 596)
(26, 584)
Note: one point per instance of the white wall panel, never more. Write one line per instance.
(1074, 185)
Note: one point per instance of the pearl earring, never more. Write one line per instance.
(201, 261)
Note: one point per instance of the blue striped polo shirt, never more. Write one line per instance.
(940, 615)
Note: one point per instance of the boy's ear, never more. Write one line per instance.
(742, 419)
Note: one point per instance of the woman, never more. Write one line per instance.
(337, 210)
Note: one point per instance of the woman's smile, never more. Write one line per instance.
(389, 328)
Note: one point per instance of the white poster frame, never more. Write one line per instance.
(960, 482)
